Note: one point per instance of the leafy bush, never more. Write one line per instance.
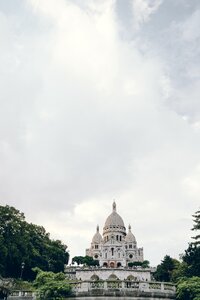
(51, 285)
(188, 289)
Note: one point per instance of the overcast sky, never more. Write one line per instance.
(100, 100)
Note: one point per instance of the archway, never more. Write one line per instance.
(119, 264)
(105, 265)
(113, 277)
(131, 278)
(112, 264)
(94, 277)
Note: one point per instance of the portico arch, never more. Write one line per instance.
(113, 277)
(94, 277)
(131, 278)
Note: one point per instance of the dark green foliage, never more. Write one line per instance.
(22, 285)
(188, 289)
(144, 264)
(78, 260)
(185, 273)
(135, 264)
(192, 259)
(179, 271)
(85, 260)
(196, 227)
(165, 270)
(23, 242)
(51, 285)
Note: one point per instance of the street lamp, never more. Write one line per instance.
(22, 269)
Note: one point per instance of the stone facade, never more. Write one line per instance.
(138, 274)
(117, 247)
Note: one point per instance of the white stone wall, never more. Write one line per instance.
(104, 274)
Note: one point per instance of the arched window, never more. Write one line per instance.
(105, 264)
(113, 277)
(94, 277)
(131, 278)
(112, 264)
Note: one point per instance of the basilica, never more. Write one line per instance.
(117, 247)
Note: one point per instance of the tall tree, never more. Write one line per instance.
(192, 255)
(196, 227)
(192, 259)
(24, 246)
(165, 269)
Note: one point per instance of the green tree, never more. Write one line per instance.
(179, 271)
(51, 285)
(196, 227)
(145, 264)
(85, 260)
(78, 259)
(188, 289)
(192, 259)
(192, 254)
(21, 242)
(165, 269)
(135, 264)
(89, 261)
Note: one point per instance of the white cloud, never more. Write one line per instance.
(143, 9)
(84, 120)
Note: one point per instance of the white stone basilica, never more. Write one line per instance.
(117, 248)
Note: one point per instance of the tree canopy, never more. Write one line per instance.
(143, 264)
(185, 273)
(50, 285)
(165, 269)
(191, 257)
(188, 289)
(24, 246)
(85, 260)
(196, 227)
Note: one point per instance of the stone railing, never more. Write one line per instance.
(117, 288)
(25, 295)
(123, 286)
(6, 282)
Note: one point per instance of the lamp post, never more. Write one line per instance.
(22, 269)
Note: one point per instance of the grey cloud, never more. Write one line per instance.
(85, 116)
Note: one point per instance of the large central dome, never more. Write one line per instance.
(114, 218)
(114, 225)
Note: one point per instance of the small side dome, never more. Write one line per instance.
(97, 238)
(130, 238)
